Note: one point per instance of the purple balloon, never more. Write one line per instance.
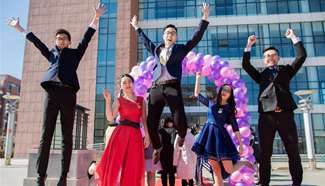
(238, 93)
(143, 66)
(148, 75)
(199, 63)
(151, 65)
(224, 63)
(216, 74)
(215, 65)
(150, 58)
(141, 89)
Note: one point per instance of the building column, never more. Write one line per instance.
(126, 40)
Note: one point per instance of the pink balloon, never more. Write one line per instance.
(225, 71)
(240, 113)
(147, 83)
(229, 129)
(250, 150)
(207, 59)
(218, 83)
(206, 70)
(245, 132)
(236, 176)
(245, 151)
(191, 55)
(248, 179)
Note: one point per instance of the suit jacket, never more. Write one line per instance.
(281, 82)
(63, 63)
(179, 51)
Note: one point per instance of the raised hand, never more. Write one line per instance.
(134, 22)
(290, 33)
(198, 75)
(205, 11)
(99, 10)
(251, 41)
(107, 95)
(14, 22)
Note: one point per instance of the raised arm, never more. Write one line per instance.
(197, 88)
(198, 34)
(247, 66)
(31, 37)
(99, 10)
(300, 53)
(150, 46)
(111, 112)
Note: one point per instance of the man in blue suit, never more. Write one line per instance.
(167, 78)
(61, 85)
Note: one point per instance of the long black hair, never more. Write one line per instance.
(122, 76)
(230, 101)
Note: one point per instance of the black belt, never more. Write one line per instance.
(59, 84)
(112, 125)
(167, 82)
(130, 123)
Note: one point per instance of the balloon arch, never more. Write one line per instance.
(219, 72)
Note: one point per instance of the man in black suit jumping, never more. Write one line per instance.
(60, 82)
(276, 106)
(167, 78)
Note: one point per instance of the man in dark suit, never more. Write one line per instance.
(167, 78)
(61, 85)
(276, 106)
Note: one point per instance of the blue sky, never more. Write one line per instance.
(12, 43)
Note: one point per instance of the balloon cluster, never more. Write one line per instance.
(143, 75)
(218, 71)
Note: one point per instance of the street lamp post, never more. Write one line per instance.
(11, 107)
(305, 105)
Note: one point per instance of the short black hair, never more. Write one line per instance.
(63, 31)
(271, 48)
(170, 26)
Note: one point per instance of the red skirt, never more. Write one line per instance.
(122, 163)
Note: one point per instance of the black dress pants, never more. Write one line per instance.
(58, 99)
(158, 97)
(284, 123)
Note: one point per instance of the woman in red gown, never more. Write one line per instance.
(122, 162)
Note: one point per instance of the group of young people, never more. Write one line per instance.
(123, 160)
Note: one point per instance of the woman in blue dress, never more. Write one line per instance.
(214, 143)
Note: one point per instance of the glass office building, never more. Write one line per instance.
(231, 22)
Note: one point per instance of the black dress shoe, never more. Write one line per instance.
(90, 175)
(62, 181)
(40, 181)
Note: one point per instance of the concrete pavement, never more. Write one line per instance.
(14, 175)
